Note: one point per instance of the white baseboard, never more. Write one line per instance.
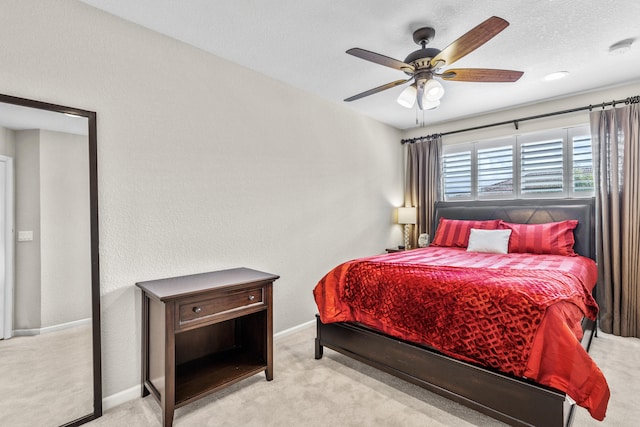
(135, 392)
(294, 329)
(53, 328)
(121, 397)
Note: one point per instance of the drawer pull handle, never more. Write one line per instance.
(251, 297)
(197, 309)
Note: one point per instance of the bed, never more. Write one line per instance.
(519, 385)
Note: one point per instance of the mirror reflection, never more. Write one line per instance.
(46, 275)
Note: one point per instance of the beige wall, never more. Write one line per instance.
(27, 285)
(203, 165)
(65, 239)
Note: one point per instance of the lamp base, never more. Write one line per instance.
(406, 237)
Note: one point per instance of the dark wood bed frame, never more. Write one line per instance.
(504, 397)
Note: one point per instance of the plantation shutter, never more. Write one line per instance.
(456, 171)
(582, 170)
(495, 171)
(541, 167)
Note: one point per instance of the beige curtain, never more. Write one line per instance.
(423, 183)
(615, 135)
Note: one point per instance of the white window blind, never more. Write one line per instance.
(582, 171)
(554, 163)
(541, 167)
(495, 171)
(457, 174)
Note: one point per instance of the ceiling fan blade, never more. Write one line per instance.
(380, 59)
(377, 89)
(480, 75)
(469, 41)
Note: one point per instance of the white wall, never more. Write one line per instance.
(7, 143)
(203, 165)
(565, 120)
(65, 232)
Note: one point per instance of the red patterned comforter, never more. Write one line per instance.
(518, 313)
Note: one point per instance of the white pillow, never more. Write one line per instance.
(491, 241)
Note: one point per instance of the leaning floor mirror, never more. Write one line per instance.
(50, 368)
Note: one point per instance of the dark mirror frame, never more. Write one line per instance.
(95, 261)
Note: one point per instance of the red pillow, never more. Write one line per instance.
(554, 238)
(455, 232)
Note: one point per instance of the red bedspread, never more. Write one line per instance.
(518, 313)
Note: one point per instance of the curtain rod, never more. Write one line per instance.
(515, 122)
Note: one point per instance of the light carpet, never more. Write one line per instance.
(339, 391)
(46, 379)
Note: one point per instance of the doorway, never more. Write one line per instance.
(6, 247)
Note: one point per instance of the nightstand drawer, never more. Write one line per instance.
(194, 310)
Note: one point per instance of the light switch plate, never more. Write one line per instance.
(25, 236)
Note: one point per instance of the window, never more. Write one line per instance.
(582, 178)
(546, 164)
(541, 167)
(495, 171)
(457, 174)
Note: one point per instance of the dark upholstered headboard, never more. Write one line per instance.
(530, 212)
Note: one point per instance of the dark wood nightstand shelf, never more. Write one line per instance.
(393, 250)
(203, 332)
(213, 372)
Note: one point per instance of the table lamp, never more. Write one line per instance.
(407, 216)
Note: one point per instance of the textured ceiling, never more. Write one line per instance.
(303, 43)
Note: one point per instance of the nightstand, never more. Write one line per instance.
(393, 250)
(203, 332)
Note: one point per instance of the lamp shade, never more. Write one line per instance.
(430, 105)
(433, 90)
(407, 215)
(408, 96)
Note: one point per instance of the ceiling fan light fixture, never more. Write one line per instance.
(430, 105)
(424, 64)
(433, 90)
(408, 96)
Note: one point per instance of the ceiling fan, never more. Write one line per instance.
(426, 63)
